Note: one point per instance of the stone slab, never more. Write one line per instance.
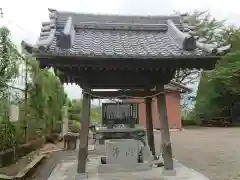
(81, 176)
(30, 166)
(5, 177)
(68, 170)
(111, 168)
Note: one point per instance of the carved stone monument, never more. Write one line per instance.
(122, 155)
(122, 151)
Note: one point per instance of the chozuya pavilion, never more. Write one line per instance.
(121, 52)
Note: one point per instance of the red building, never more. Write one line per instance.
(173, 97)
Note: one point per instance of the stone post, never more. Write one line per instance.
(64, 120)
(13, 113)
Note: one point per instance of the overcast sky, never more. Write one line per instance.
(24, 17)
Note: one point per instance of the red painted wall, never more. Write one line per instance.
(173, 111)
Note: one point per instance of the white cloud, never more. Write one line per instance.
(24, 17)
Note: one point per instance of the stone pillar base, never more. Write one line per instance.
(81, 176)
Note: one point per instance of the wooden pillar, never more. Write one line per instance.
(165, 135)
(149, 123)
(85, 118)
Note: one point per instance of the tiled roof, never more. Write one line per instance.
(88, 35)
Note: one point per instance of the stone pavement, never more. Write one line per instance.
(67, 170)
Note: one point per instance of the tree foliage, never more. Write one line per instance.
(9, 57)
(219, 89)
(46, 97)
(75, 107)
(74, 114)
(9, 61)
(44, 101)
(208, 30)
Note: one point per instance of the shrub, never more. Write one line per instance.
(74, 126)
(8, 135)
(11, 155)
(189, 123)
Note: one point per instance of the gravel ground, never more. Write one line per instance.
(211, 151)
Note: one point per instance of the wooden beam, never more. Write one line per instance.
(149, 123)
(115, 79)
(120, 78)
(129, 93)
(85, 119)
(165, 134)
(198, 62)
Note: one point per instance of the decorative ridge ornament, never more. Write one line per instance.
(213, 48)
(184, 40)
(209, 48)
(66, 38)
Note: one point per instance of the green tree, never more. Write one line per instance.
(9, 61)
(9, 57)
(219, 89)
(207, 30)
(46, 97)
(75, 107)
